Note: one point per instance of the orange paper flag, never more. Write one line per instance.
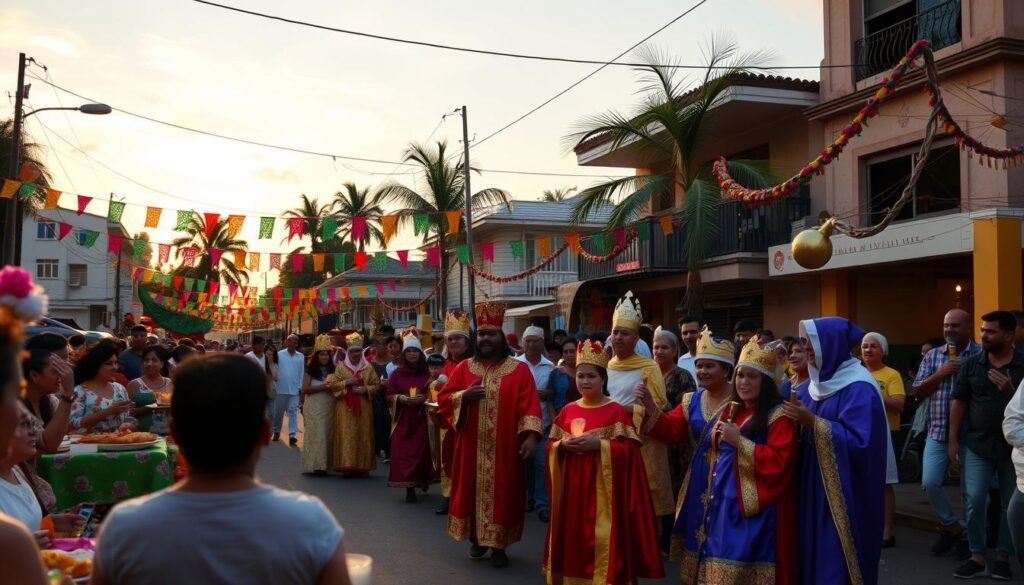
(318, 262)
(235, 225)
(153, 216)
(388, 224)
(574, 242)
(362, 291)
(453, 221)
(543, 246)
(666, 224)
(52, 197)
(10, 188)
(254, 261)
(239, 258)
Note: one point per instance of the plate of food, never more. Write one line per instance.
(159, 406)
(76, 564)
(120, 441)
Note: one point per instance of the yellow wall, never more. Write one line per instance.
(997, 265)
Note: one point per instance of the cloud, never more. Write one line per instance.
(284, 176)
(799, 8)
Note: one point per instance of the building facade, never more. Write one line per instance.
(80, 281)
(412, 283)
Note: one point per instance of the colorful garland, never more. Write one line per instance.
(477, 271)
(630, 236)
(734, 190)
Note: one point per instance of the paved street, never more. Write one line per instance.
(409, 544)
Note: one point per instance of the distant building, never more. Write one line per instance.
(80, 281)
(412, 284)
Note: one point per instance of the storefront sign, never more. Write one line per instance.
(924, 238)
(626, 266)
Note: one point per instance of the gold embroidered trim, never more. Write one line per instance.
(606, 433)
(834, 492)
(529, 423)
(748, 482)
(724, 572)
(649, 423)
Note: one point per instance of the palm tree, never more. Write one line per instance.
(218, 238)
(356, 202)
(31, 152)
(441, 189)
(557, 195)
(314, 214)
(673, 122)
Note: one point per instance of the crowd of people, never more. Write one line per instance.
(753, 459)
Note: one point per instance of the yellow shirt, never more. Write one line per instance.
(891, 383)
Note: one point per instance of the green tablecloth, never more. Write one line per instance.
(108, 477)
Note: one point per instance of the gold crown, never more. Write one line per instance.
(456, 322)
(322, 342)
(354, 339)
(627, 313)
(591, 352)
(709, 348)
(490, 315)
(764, 360)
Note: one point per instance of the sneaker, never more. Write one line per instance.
(276, 437)
(1001, 571)
(970, 570)
(477, 552)
(499, 560)
(293, 441)
(945, 543)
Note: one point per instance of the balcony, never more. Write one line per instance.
(879, 52)
(741, 229)
(534, 287)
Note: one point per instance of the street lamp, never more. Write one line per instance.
(12, 225)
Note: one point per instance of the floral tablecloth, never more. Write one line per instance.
(108, 477)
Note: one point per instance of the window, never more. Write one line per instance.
(46, 230)
(938, 189)
(47, 268)
(78, 274)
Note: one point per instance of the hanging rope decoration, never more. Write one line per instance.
(477, 271)
(630, 236)
(813, 248)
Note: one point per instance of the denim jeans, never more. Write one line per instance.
(933, 473)
(978, 473)
(540, 474)
(289, 402)
(1015, 519)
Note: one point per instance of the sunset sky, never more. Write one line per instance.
(278, 83)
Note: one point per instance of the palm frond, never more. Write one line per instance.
(700, 220)
(591, 199)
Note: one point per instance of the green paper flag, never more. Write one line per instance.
(266, 228)
(463, 251)
(380, 261)
(168, 280)
(184, 218)
(27, 190)
(190, 283)
(329, 228)
(323, 293)
(517, 248)
(421, 223)
(139, 247)
(597, 241)
(201, 285)
(643, 230)
(339, 262)
(90, 238)
(115, 211)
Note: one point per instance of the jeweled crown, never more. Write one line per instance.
(627, 313)
(456, 322)
(764, 360)
(490, 315)
(322, 342)
(710, 348)
(591, 352)
(354, 339)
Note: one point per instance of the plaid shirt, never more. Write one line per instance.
(939, 402)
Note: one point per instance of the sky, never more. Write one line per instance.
(278, 83)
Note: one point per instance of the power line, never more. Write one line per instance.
(294, 149)
(585, 77)
(442, 46)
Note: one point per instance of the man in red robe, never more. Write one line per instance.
(491, 402)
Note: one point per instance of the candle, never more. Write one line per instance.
(433, 395)
(359, 568)
(577, 427)
(414, 391)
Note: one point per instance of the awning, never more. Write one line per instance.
(525, 310)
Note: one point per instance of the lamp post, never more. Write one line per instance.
(12, 225)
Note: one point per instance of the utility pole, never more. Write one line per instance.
(11, 224)
(469, 217)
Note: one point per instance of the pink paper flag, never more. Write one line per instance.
(275, 261)
(358, 229)
(137, 274)
(232, 290)
(297, 262)
(434, 257)
(620, 236)
(114, 244)
(189, 256)
(403, 257)
(83, 202)
(487, 249)
(165, 253)
(380, 288)
(295, 227)
(215, 254)
(214, 287)
(391, 284)
(64, 230)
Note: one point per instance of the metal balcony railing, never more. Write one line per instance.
(740, 229)
(879, 52)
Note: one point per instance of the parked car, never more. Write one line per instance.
(48, 325)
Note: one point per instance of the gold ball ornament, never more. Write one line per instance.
(812, 249)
